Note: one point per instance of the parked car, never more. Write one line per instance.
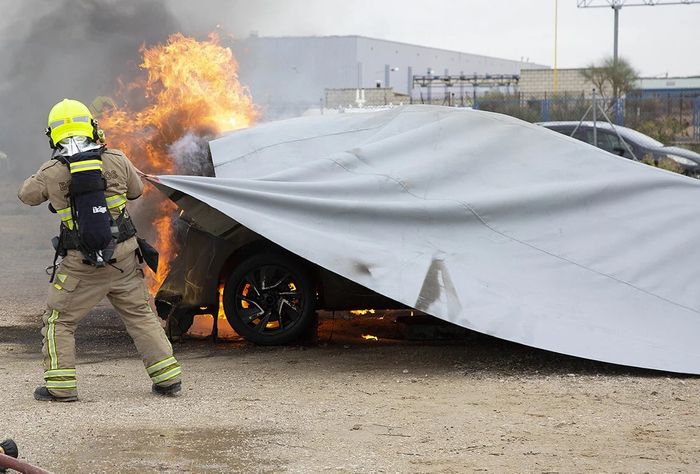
(643, 147)
(269, 294)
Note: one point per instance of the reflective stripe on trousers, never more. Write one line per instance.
(164, 370)
(60, 379)
(51, 338)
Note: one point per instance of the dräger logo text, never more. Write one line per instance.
(99, 210)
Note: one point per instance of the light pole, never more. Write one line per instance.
(388, 69)
(616, 8)
(430, 86)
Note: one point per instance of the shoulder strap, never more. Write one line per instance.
(95, 154)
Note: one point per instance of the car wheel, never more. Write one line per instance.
(270, 299)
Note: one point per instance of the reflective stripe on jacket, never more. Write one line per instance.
(50, 183)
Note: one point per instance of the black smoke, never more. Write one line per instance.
(76, 49)
(53, 49)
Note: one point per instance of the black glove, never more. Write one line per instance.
(10, 448)
(149, 254)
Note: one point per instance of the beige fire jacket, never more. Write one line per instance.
(52, 180)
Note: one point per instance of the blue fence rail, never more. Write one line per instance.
(679, 114)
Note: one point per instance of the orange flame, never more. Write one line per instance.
(190, 87)
(203, 324)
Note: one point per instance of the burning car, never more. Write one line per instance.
(478, 219)
(268, 294)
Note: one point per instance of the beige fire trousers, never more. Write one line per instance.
(76, 289)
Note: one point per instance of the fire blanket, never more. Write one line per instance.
(480, 219)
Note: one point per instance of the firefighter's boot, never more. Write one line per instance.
(42, 394)
(169, 391)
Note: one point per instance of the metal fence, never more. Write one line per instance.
(675, 116)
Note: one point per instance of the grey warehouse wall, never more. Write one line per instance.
(289, 74)
(375, 53)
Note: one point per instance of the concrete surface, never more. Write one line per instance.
(345, 405)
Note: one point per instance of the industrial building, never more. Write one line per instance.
(539, 83)
(661, 88)
(290, 74)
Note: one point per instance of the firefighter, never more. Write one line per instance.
(83, 279)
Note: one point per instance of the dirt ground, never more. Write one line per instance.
(345, 404)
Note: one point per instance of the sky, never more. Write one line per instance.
(77, 48)
(658, 40)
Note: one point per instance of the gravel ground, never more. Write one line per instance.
(342, 405)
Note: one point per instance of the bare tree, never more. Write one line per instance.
(617, 78)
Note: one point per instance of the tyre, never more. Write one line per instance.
(269, 298)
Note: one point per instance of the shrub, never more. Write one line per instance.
(664, 163)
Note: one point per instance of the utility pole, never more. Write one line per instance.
(617, 5)
(616, 9)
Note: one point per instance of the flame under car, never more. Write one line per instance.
(269, 296)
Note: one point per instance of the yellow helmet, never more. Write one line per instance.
(69, 118)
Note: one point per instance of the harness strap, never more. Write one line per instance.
(87, 188)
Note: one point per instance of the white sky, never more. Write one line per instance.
(657, 40)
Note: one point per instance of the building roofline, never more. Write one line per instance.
(550, 69)
(650, 78)
(670, 78)
(453, 51)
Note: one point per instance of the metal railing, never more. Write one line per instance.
(677, 114)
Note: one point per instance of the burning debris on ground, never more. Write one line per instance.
(390, 326)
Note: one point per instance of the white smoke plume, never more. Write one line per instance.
(191, 155)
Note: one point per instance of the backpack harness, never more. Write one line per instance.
(87, 224)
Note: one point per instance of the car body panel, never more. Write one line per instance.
(643, 148)
(205, 261)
